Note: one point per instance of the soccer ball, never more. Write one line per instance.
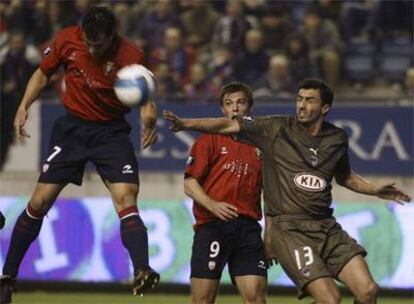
(134, 85)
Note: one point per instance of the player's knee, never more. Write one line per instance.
(41, 203)
(255, 295)
(252, 298)
(126, 198)
(331, 297)
(368, 293)
(202, 298)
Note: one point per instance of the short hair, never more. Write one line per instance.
(98, 21)
(327, 96)
(234, 87)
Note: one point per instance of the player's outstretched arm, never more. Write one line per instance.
(36, 83)
(358, 184)
(223, 126)
(148, 115)
(222, 210)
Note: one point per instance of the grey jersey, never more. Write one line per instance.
(297, 168)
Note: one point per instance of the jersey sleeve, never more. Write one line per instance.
(343, 166)
(256, 131)
(52, 57)
(198, 161)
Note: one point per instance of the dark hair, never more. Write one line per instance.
(98, 21)
(234, 87)
(327, 96)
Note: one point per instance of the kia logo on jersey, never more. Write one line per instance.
(309, 182)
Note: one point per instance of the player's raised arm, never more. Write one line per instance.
(148, 115)
(36, 83)
(223, 126)
(357, 183)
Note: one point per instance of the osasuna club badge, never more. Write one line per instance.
(108, 67)
(258, 153)
(47, 51)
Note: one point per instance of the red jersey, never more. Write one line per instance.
(228, 171)
(89, 82)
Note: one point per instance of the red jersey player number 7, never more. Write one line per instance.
(93, 129)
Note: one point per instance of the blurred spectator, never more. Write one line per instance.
(176, 54)
(17, 63)
(275, 27)
(166, 87)
(40, 27)
(80, 8)
(392, 18)
(354, 18)
(254, 7)
(137, 12)
(409, 84)
(277, 83)
(251, 63)
(324, 44)
(199, 13)
(330, 9)
(231, 28)
(3, 25)
(60, 15)
(297, 53)
(121, 10)
(18, 16)
(199, 87)
(219, 64)
(156, 22)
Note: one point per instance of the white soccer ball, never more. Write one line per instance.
(134, 85)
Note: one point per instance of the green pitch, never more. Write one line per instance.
(108, 298)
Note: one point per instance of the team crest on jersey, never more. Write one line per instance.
(314, 159)
(223, 150)
(108, 67)
(258, 153)
(45, 168)
(309, 182)
(47, 51)
(211, 265)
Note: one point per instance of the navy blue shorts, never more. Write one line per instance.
(74, 142)
(237, 243)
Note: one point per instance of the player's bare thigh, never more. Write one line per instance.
(203, 291)
(357, 277)
(324, 290)
(123, 195)
(252, 288)
(44, 196)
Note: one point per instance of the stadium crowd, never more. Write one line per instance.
(195, 46)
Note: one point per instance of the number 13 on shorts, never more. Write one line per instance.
(303, 257)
